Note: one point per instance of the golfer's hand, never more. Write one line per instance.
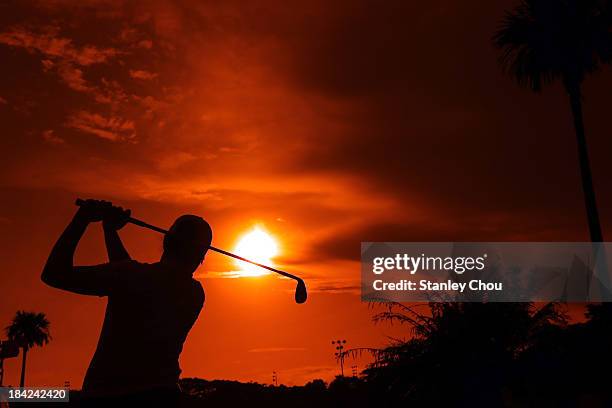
(93, 210)
(115, 218)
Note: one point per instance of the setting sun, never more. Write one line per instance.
(259, 246)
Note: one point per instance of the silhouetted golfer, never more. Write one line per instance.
(151, 307)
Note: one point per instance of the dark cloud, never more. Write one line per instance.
(395, 116)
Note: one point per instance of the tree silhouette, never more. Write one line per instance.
(546, 40)
(28, 330)
(455, 347)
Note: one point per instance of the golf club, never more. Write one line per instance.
(300, 290)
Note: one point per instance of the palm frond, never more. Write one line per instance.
(29, 329)
(544, 40)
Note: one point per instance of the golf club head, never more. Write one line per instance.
(300, 292)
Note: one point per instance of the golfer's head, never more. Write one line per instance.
(187, 241)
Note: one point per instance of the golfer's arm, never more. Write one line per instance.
(114, 247)
(59, 267)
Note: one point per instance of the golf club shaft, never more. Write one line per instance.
(143, 224)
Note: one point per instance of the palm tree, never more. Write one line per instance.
(28, 330)
(545, 40)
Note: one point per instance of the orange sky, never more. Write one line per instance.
(329, 123)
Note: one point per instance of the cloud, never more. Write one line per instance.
(146, 44)
(340, 288)
(276, 349)
(392, 115)
(111, 128)
(110, 92)
(49, 136)
(134, 38)
(174, 160)
(142, 74)
(51, 45)
(61, 55)
(73, 77)
(151, 105)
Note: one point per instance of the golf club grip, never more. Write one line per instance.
(79, 202)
